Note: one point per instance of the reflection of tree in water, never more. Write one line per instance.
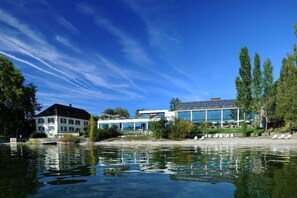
(18, 175)
(276, 180)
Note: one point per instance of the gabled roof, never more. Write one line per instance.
(65, 111)
(210, 104)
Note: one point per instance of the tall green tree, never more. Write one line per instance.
(121, 112)
(243, 83)
(92, 129)
(286, 103)
(173, 103)
(18, 101)
(257, 88)
(269, 92)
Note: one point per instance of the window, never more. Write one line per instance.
(51, 128)
(51, 120)
(63, 128)
(86, 123)
(71, 129)
(213, 115)
(77, 130)
(77, 122)
(70, 121)
(198, 116)
(184, 115)
(41, 129)
(63, 120)
(40, 120)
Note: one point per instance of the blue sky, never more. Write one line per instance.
(100, 54)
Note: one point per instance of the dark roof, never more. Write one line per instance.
(65, 111)
(210, 104)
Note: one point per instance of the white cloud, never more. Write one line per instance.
(64, 41)
(67, 25)
(131, 48)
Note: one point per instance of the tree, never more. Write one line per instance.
(160, 128)
(122, 112)
(137, 112)
(286, 103)
(257, 88)
(173, 103)
(18, 101)
(92, 129)
(269, 92)
(243, 83)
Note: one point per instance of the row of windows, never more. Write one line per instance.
(63, 128)
(212, 115)
(62, 120)
(70, 129)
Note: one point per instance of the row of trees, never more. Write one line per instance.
(257, 91)
(119, 112)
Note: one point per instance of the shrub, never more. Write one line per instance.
(38, 134)
(106, 133)
(68, 138)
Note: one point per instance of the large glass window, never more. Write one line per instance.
(77, 122)
(40, 120)
(214, 116)
(128, 126)
(184, 115)
(198, 116)
(229, 114)
(63, 120)
(70, 121)
(63, 128)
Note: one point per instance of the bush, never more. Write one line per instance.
(106, 133)
(68, 138)
(38, 134)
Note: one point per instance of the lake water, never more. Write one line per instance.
(101, 171)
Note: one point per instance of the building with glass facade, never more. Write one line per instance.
(215, 111)
(141, 123)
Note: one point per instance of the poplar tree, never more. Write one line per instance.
(269, 92)
(243, 83)
(257, 88)
(92, 129)
(286, 103)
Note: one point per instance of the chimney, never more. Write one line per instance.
(70, 105)
(215, 99)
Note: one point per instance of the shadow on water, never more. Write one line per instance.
(72, 170)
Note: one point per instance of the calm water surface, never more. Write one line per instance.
(100, 171)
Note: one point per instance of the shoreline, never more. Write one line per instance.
(249, 142)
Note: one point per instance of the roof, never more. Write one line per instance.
(210, 104)
(65, 111)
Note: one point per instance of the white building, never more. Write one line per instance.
(141, 123)
(59, 120)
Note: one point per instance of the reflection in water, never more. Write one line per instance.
(99, 171)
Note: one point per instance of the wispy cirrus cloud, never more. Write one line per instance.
(64, 41)
(131, 47)
(62, 21)
(19, 38)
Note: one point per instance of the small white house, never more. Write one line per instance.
(59, 119)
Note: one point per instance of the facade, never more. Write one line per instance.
(59, 119)
(142, 123)
(216, 111)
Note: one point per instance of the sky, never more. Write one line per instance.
(139, 54)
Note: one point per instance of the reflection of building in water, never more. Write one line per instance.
(210, 164)
(59, 157)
